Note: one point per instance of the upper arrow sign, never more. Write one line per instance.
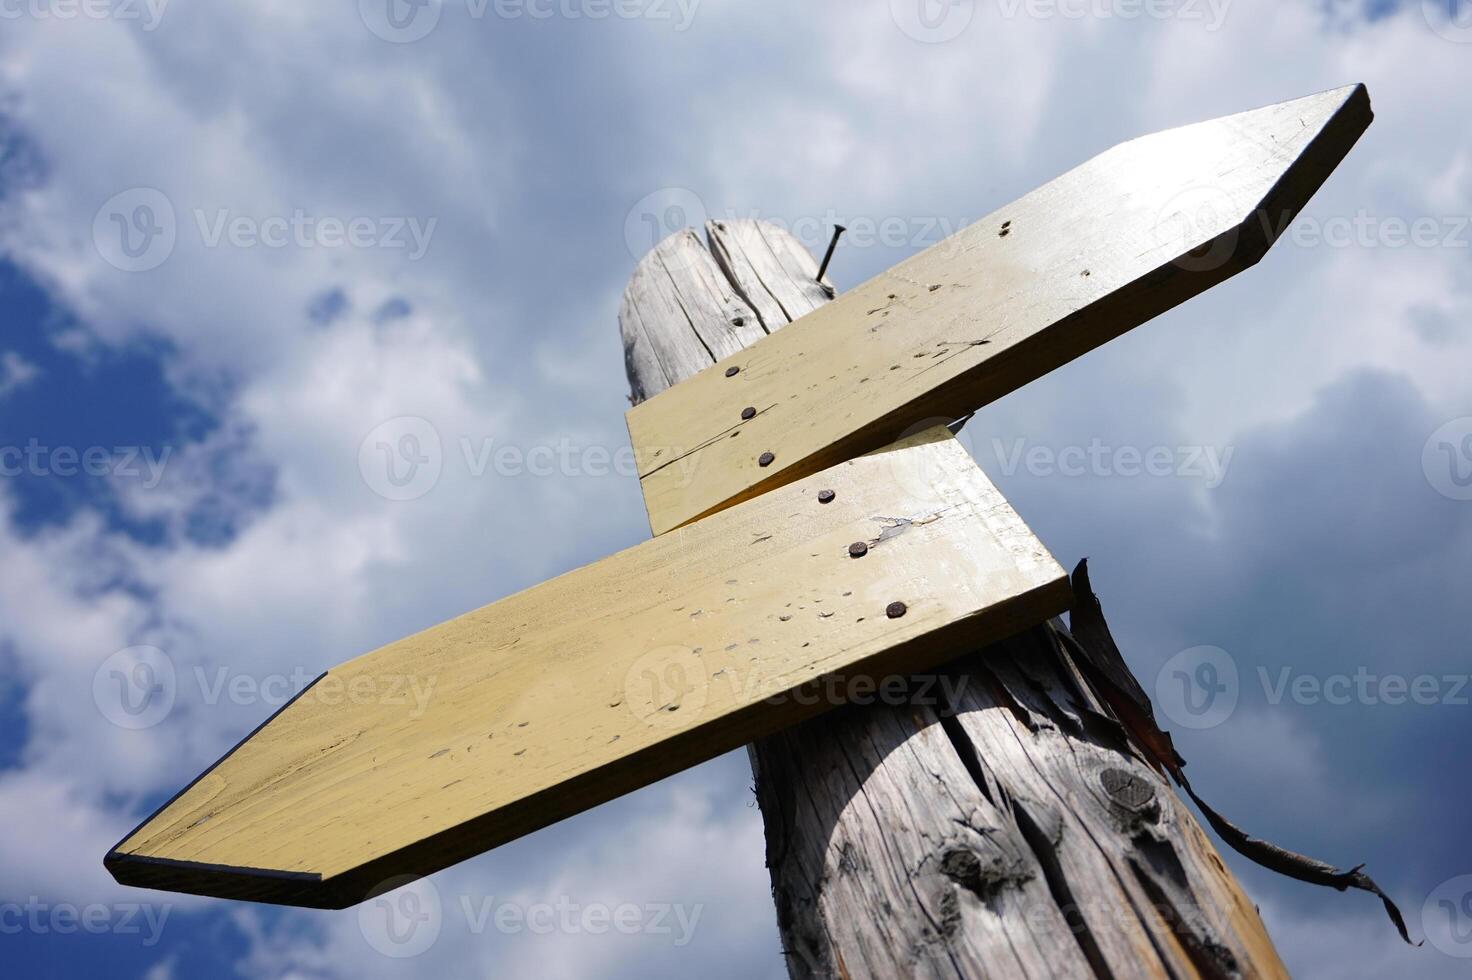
(1123, 238)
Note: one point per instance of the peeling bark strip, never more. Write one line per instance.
(1014, 829)
(1114, 680)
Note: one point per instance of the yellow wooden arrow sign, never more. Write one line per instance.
(604, 680)
(1123, 238)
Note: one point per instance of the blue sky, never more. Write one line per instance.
(500, 171)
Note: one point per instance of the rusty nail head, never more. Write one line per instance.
(748, 413)
(825, 496)
(858, 549)
(895, 610)
(731, 371)
(765, 459)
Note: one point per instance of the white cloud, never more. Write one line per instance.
(15, 372)
(273, 108)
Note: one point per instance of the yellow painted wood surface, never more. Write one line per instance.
(603, 680)
(1122, 238)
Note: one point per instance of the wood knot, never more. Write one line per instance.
(965, 867)
(1127, 789)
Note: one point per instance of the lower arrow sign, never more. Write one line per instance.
(509, 718)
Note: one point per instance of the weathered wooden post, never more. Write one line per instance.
(1017, 832)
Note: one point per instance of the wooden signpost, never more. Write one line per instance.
(795, 543)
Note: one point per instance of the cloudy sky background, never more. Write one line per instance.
(532, 153)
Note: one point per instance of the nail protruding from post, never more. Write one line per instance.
(825, 496)
(828, 255)
(858, 549)
(895, 610)
(765, 459)
(748, 413)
